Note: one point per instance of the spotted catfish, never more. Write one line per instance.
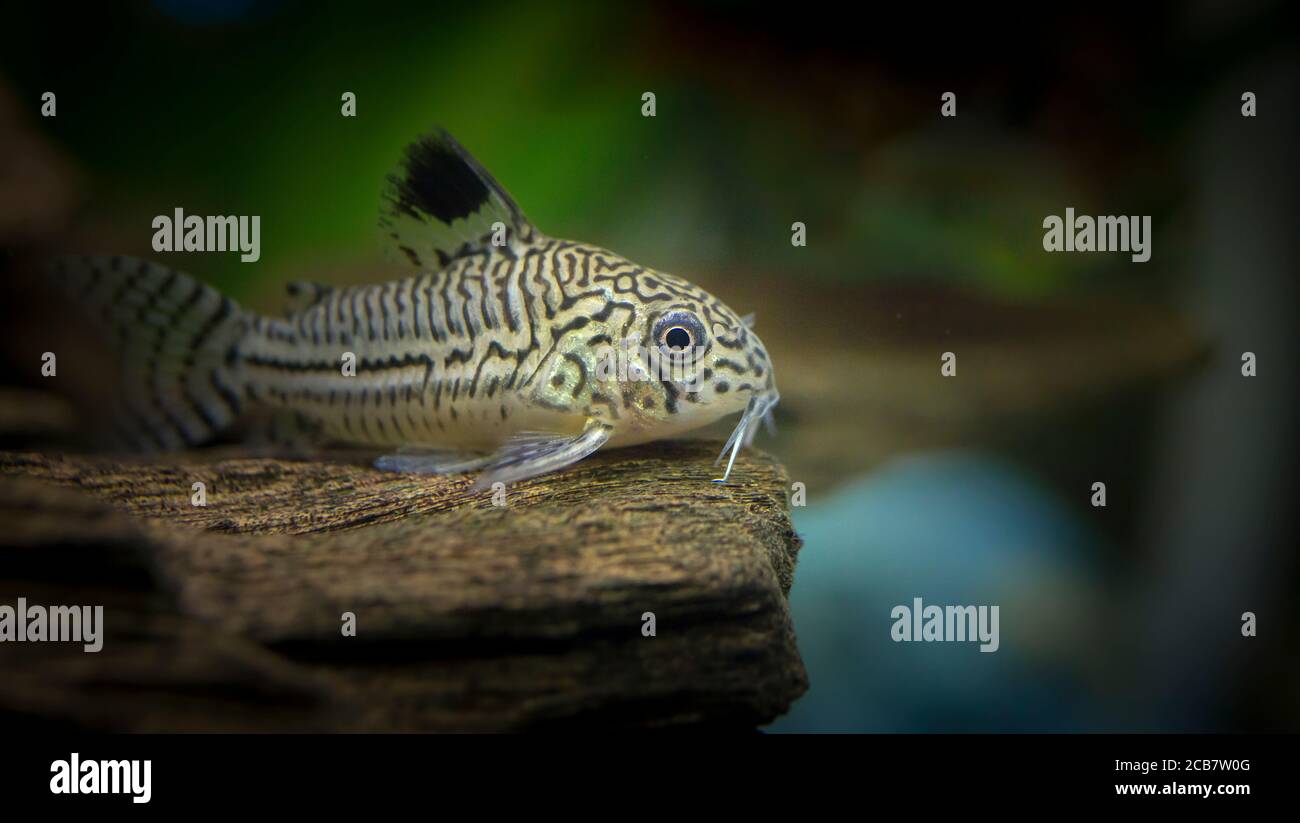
(498, 355)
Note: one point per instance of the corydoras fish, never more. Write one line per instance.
(509, 352)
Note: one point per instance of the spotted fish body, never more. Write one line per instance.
(488, 358)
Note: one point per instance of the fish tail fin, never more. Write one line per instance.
(177, 339)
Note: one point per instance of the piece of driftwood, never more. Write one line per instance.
(469, 615)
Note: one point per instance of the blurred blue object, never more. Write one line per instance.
(957, 529)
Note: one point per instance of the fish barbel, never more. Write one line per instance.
(500, 355)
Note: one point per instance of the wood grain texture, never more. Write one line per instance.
(470, 616)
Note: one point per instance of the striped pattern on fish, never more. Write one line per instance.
(486, 359)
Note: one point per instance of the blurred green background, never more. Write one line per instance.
(764, 118)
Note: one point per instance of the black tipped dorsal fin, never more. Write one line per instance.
(440, 204)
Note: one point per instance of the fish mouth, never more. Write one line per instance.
(759, 408)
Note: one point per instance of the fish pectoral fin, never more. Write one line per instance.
(530, 454)
(425, 460)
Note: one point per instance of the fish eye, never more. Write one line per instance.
(678, 332)
(678, 338)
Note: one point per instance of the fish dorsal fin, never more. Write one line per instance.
(440, 204)
(303, 294)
